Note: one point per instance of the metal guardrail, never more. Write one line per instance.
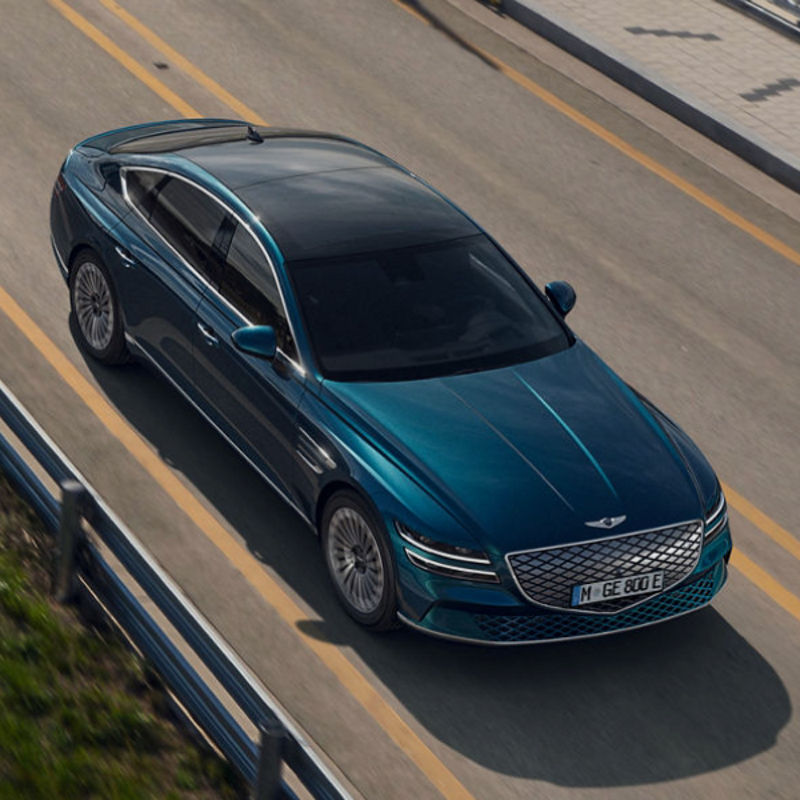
(791, 7)
(259, 763)
(782, 15)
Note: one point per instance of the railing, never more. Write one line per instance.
(81, 567)
(783, 15)
(792, 6)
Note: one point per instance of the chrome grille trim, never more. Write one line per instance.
(545, 576)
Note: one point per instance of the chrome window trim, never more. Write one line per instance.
(298, 365)
(132, 342)
(433, 551)
(589, 611)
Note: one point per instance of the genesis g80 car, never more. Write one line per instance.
(472, 468)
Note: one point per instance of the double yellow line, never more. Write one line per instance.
(782, 596)
(627, 149)
(360, 688)
(757, 517)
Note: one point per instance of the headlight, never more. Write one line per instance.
(452, 553)
(441, 548)
(716, 519)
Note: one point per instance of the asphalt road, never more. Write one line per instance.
(698, 313)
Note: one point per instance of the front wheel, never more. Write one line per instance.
(94, 303)
(359, 561)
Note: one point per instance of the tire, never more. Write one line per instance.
(95, 309)
(359, 561)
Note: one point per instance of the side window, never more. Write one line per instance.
(249, 286)
(189, 220)
(142, 188)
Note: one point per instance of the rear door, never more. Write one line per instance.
(172, 260)
(253, 400)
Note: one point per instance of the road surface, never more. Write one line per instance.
(687, 268)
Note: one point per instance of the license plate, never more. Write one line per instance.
(617, 587)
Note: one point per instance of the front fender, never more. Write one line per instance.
(353, 460)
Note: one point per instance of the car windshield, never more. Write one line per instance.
(421, 312)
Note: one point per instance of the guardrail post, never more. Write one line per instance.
(69, 537)
(270, 756)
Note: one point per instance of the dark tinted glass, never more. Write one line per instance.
(421, 312)
(189, 220)
(143, 187)
(249, 285)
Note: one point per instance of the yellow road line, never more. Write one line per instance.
(290, 612)
(358, 686)
(411, 10)
(764, 523)
(761, 578)
(131, 64)
(737, 501)
(242, 110)
(728, 214)
(778, 534)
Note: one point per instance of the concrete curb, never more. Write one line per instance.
(774, 161)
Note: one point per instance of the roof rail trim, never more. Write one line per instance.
(141, 134)
(145, 129)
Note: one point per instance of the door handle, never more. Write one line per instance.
(127, 259)
(208, 335)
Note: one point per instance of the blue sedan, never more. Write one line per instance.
(472, 468)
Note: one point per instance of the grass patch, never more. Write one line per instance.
(79, 716)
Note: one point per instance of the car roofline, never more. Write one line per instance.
(196, 136)
(201, 125)
(140, 130)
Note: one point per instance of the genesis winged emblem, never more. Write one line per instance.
(606, 522)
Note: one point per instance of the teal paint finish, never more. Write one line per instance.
(572, 435)
(256, 340)
(500, 460)
(506, 468)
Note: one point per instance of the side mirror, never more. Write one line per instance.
(561, 295)
(256, 340)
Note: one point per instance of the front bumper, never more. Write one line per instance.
(524, 623)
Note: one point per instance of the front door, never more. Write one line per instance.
(253, 400)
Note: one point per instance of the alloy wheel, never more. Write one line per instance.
(356, 560)
(94, 306)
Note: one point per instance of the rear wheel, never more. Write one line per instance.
(359, 561)
(94, 303)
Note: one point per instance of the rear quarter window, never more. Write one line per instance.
(142, 187)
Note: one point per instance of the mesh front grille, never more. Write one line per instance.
(520, 628)
(547, 577)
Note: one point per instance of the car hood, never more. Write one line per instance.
(525, 456)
